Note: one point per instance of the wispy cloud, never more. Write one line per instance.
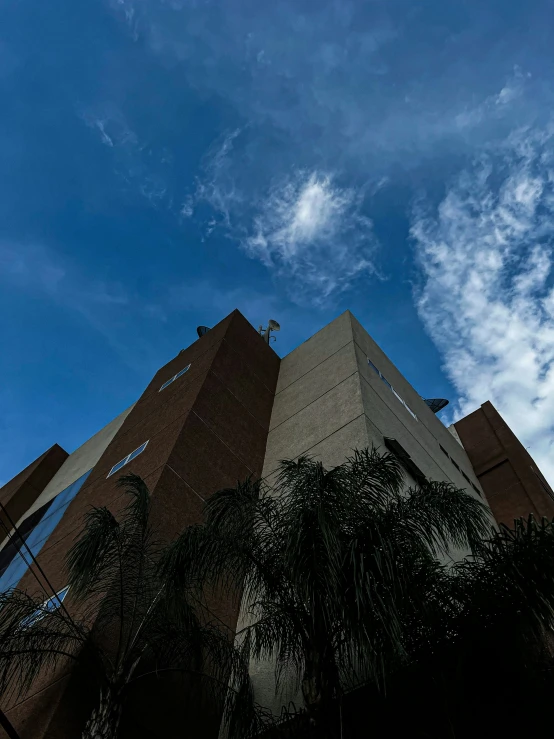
(317, 122)
(313, 232)
(488, 298)
(143, 167)
(306, 227)
(493, 107)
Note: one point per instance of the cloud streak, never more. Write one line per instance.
(145, 168)
(487, 297)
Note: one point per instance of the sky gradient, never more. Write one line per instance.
(163, 162)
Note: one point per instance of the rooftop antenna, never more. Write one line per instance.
(265, 333)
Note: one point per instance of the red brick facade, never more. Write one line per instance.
(19, 494)
(512, 482)
(205, 431)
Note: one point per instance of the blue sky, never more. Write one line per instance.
(163, 162)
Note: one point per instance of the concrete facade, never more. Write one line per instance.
(512, 481)
(330, 401)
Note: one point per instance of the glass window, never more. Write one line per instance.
(390, 387)
(118, 466)
(127, 459)
(48, 606)
(182, 372)
(13, 544)
(410, 411)
(373, 367)
(387, 383)
(137, 451)
(45, 520)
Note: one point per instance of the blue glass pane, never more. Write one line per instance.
(182, 372)
(387, 383)
(373, 367)
(45, 528)
(47, 607)
(137, 451)
(70, 492)
(117, 466)
(54, 602)
(15, 572)
(167, 383)
(39, 534)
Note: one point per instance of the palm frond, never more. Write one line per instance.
(441, 516)
(94, 552)
(34, 640)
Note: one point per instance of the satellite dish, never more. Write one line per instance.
(436, 404)
(273, 325)
(201, 330)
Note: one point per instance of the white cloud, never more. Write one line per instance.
(306, 227)
(488, 296)
(312, 232)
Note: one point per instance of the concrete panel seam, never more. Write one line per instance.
(409, 432)
(45, 547)
(89, 482)
(221, 440)
(220, 341)
(305, 451)
(351, 341)
(186, 483)
(312, 402)
(363, 351)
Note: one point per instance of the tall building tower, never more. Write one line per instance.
(336, 392)
(225, 408)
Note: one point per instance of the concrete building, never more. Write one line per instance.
(224, 408)
(511, 479)
(336, 392)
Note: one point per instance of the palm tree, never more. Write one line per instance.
(336, 565)
(486, 656)
(131, 623)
